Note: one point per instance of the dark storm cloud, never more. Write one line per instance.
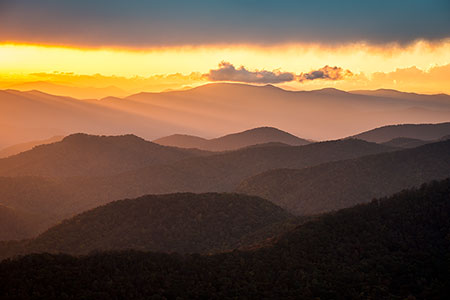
(327, 72)
(142, 23)
(227, 72)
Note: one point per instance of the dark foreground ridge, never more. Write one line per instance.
(392, 248)
(181, 222)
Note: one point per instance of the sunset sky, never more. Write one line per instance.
(135, 46)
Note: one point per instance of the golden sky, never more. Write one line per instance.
(421, 66)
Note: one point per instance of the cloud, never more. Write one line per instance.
(327, 72)
(144, 23)
(227, 72)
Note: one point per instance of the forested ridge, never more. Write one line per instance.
(340, 184)
(149, 171)
(182, 222)
(390, 248)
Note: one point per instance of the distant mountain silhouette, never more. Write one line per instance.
(402, 142)
(341, 184)
(62, 197)
(394, 94)
(261, 135)
(16, 149)
(33, 115)
(70, 91)
(395, 247)
(212, 110)
(182, 141)
(184, 223)
(414, 131)
(88, 155)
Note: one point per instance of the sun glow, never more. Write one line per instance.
(18, 61)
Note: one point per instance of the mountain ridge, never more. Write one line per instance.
(340, 184)
(233, 141)
(396, 246)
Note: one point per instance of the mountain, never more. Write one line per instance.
(69, 91)
(402, 142)
(22, 147)
(394, 94)
(183, 223)
(212, 110)
(88, 155)
(341, 184)
(182, 141)
(61, 197)
(224, 171)
(15, 224)
(414, 131)
(395, 247)
(256, 136)
(33, 115)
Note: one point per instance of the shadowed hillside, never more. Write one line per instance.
(425, 132)
(15, 224)
(256, 136)
(59, 198)
(182, 223)
(87, 155)
(341, 184)
(16, 149)
(222, 172)
(390, 248)
(406, 142)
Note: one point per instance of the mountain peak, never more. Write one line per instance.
(250, 137)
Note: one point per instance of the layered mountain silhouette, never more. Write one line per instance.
(88, 155)
(396, 246)
(97, 162)
(22, 147)
(69, 91)
(341, 184)
(213, 110)
(183, 223)
(33, 115)
(426, 132)
(256, 136)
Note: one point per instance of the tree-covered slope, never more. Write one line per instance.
(63, 197)
(183, 223)
(392, 248)
(90, 155)
(415, 131)
(15, 224)
(341, 184)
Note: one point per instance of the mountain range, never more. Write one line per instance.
(394, 247)
(81, 172)
(57, 181)
(214, 110)
(426, 132)
(340, 184)
(251, 137)
(88, 155)
(183, 223)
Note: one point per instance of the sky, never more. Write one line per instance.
(158, 45)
